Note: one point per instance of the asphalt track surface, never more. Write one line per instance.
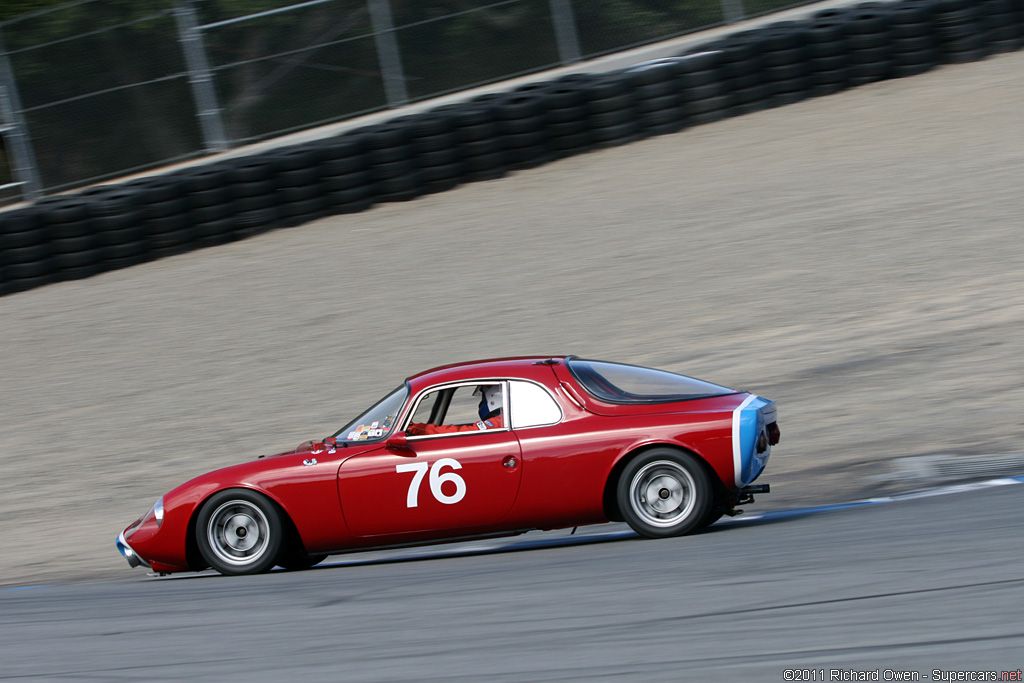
(913, 585)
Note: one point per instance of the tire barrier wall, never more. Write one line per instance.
(115, 226)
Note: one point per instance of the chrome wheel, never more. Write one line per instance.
(239, 532)
(662, 493)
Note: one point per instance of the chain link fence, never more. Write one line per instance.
(96, 89)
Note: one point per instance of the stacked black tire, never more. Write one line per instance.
(25, 251)
(72, 237)
(344, 175)
(435, 151)
(109, 227)
(206, 203)
(611, 110)
(476, 139)
(300, 195)
(657, 97)
(915, 46)
(569, 130)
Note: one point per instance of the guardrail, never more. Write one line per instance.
(175, 80)
(115, 226)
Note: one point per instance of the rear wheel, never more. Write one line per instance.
(714, 514)
(664, 493)
(239, 532)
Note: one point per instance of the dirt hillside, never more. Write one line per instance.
(857, 257)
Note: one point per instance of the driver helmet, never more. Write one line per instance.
(490, 399)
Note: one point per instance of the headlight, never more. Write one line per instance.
(156, 512)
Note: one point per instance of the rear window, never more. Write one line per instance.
(618, 383)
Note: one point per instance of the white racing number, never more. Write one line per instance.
(437, 480)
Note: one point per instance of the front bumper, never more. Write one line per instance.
(134, 560)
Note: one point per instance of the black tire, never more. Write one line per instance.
(476, 132)
(202, 178)
(19, 220)
(239, 532)
(618, 134)
(655, 120)
(250, 169)
(345, 181)
(658, 89)
(300, 561)
(25, 238)
(563, 128)
(343, 165)
(565, 144)
(524, 125)
(254, 203)
(122, 250)
(610, 103)
(487, 165)
(213, 232)
(664, 492)
(714, 514)
(203, 214)
(27, 254)
(299, 177)
(289, 195)
(706, 105)
(304, 210)
(211, 197)
(254, 221)
(434, 143)
(670, 101)
(297, 158)
(441, 171)
(388, 155)
(611, 118)
(70, 245)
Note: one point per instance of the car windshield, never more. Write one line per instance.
(376, 422)
(618, 383)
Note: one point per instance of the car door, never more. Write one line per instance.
(462, 481)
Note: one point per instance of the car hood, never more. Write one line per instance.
(313, 447)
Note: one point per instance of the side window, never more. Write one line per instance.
(425, 410)
(455, 409)
(464, 408)
(532, 406)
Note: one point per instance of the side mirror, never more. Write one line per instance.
(398, 442)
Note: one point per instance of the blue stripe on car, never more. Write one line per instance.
(748, 421)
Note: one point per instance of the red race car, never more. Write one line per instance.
(488, 448)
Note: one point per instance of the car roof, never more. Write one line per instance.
(527, 367)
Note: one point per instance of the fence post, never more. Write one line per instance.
(733, 11)
(207, 108)
(565, 31)
(387, 53)
(24, 167)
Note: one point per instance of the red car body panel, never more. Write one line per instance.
(361, 495)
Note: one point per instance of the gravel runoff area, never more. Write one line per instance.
(857, 257)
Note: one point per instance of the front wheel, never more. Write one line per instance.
(664, 493)
(300, 561)
(239, 532)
